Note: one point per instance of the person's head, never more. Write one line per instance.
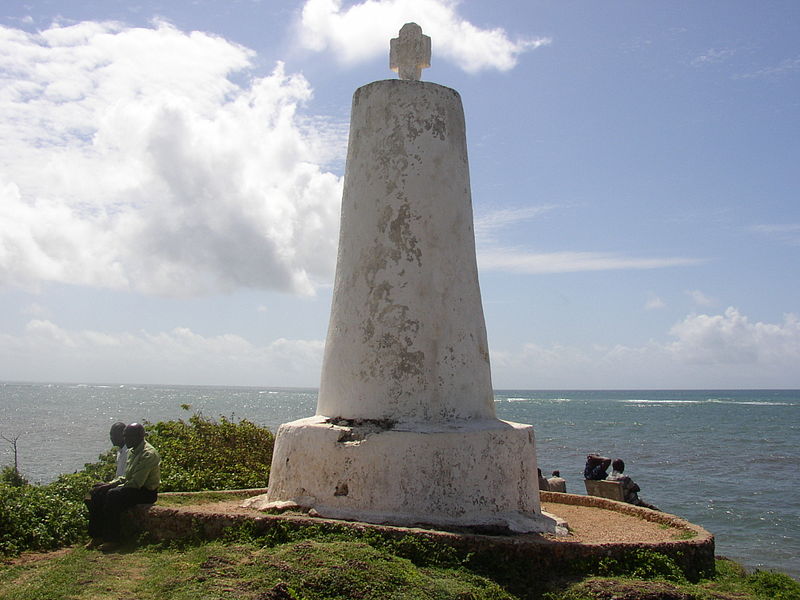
(117, 434)
(556, 473)
(134, 434)
(618, 465)
(539, 472)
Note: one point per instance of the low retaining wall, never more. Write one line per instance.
(531, 557)
(694, 556)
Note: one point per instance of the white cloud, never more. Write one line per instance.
(132, 161)
(494, 257)
(177, 356)
(700, 298)
(731, 339)
(708, 351)
(787, 233)
(360, 32)
(520, 261)
(654, 302)
(712, 56)
(488, 224)
(787, 65)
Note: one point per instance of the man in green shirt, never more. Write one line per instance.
(139, 485)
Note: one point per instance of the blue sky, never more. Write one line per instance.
(170, 181)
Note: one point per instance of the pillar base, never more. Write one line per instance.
(469, 474)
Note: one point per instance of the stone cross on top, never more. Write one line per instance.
(410, 52)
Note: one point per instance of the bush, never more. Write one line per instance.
(9, 475)
(204, 454)
(34, 517)
(640, 564)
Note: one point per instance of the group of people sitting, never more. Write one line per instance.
(138, 476)
(597, 469)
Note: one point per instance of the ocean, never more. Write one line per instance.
(724, 459)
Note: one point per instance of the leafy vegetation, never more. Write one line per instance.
(38, 518)
(204, 454)
(641, 564)
(10, 476)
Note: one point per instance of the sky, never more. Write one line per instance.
(171, 176)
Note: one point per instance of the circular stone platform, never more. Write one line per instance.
(599, 528)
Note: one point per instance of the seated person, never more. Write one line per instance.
(118, 440)
(557, 483)
(543, 485)
(630, 489)
(596, 467)
(139, 485)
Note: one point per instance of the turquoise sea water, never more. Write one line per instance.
(727, 460)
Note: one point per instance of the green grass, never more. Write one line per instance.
(199, 498)
(731, 582)
(76, 574)
(308, 570)
(330, 569)
(685, 534)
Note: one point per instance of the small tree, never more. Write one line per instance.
(11, 475)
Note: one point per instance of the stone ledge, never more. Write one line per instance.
(248, 491)
(645, 514)
(545, 554)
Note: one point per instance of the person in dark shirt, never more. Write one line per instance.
(596, 467)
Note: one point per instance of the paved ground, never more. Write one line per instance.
(587, 524)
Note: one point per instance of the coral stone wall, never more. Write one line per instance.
(551, 555)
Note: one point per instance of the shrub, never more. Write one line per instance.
(640, 564)
(36, 517)
(10, 475)
(104, 469)
(204, 454)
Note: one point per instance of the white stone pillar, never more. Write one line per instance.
(407, 339)
(405, 431)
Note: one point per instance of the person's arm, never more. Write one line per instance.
(108, 485)
(596, 459)
(139, 469)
